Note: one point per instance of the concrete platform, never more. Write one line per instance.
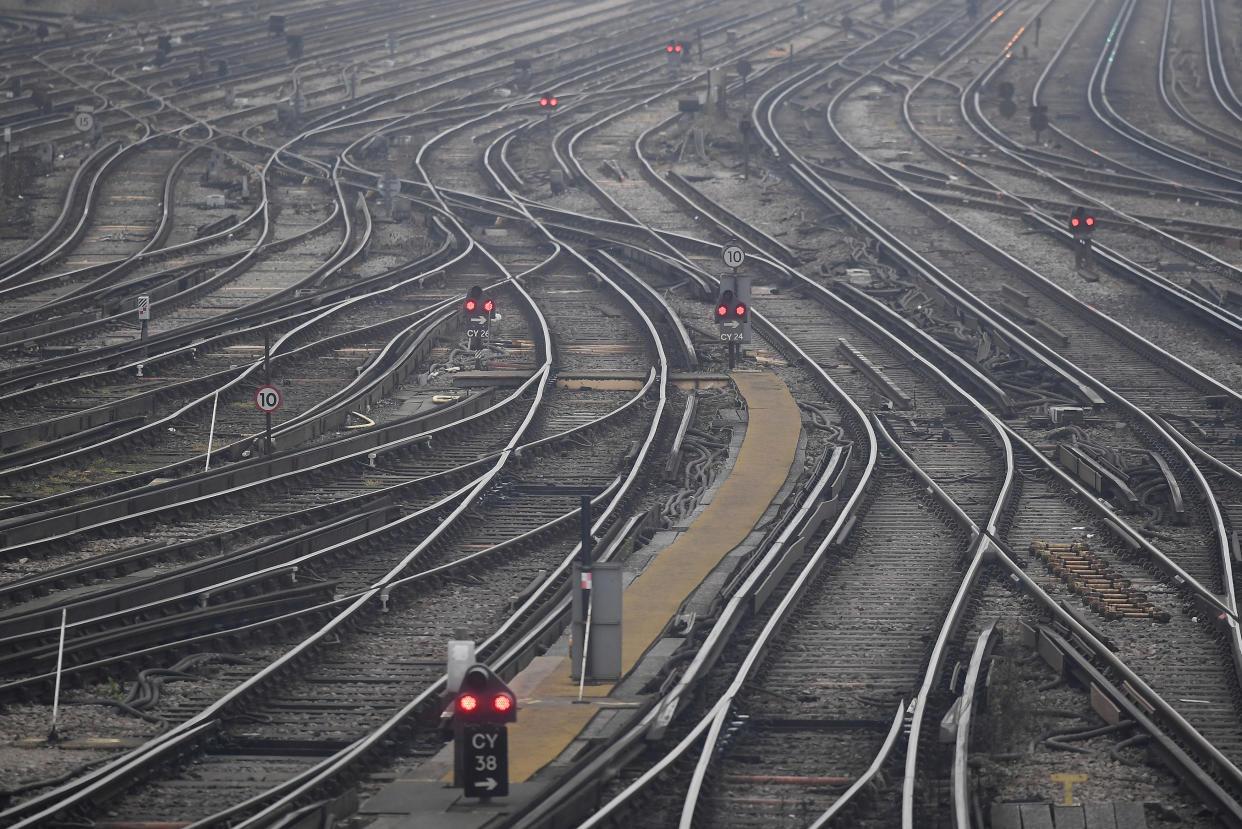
(550, 719)
(1107, 815)
(611, 380)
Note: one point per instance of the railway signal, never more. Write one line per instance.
(482, 707)
(744, 68)
(483, 698)
(1039, 119)
(479, 312)
(1081, 221)
(1081, 224)
(676, 51)
(732, 313)
(548, 102)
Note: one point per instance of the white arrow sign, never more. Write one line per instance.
(730, 324)
(488, 783)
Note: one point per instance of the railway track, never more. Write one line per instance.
(976, 414)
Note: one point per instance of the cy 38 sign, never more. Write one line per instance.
(486, 761)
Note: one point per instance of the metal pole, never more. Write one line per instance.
(267, 380)
(732, 346)
(586, 644)
(211, 431)
(143, 335)
(585, 525)
(52, 736)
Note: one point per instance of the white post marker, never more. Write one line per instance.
(144, 307)
(267, 399)
(732, 255)
(586, 636)
(211, 431)
(52, 736)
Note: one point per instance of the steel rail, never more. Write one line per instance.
(110, 775)
(1167, 83)
(1139, 174)
(1218, 73)
(1225, 622)
(912, 260)
(965, 721)
(973, 114)
(739, 606)
(1022, 339)
(46, 507)
(82, 189)
(365, 533)
(1097, 100)
(334, 765)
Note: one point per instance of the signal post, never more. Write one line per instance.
(732, 311)
(1082, 224)
(482, 707)
(478, 311)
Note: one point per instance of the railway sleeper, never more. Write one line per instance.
(1090, 577)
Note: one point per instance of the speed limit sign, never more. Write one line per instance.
(83, 121)
(733, 255)
(267, 399)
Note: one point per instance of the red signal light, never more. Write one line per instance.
(489, 305)
(543, 102)
(670, 47)
(1074, 222)
(471, 305)
(722, 310)
(468, 702)
(1091, 221)
(551, 102)
(740, 310)
(677, 48)
(502, 703)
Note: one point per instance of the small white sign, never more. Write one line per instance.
(732, 255)
(83, 121)
(267, 399)
(144, 307)
(586, 580)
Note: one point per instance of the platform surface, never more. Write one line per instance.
(1104, 815)
(549, 718)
